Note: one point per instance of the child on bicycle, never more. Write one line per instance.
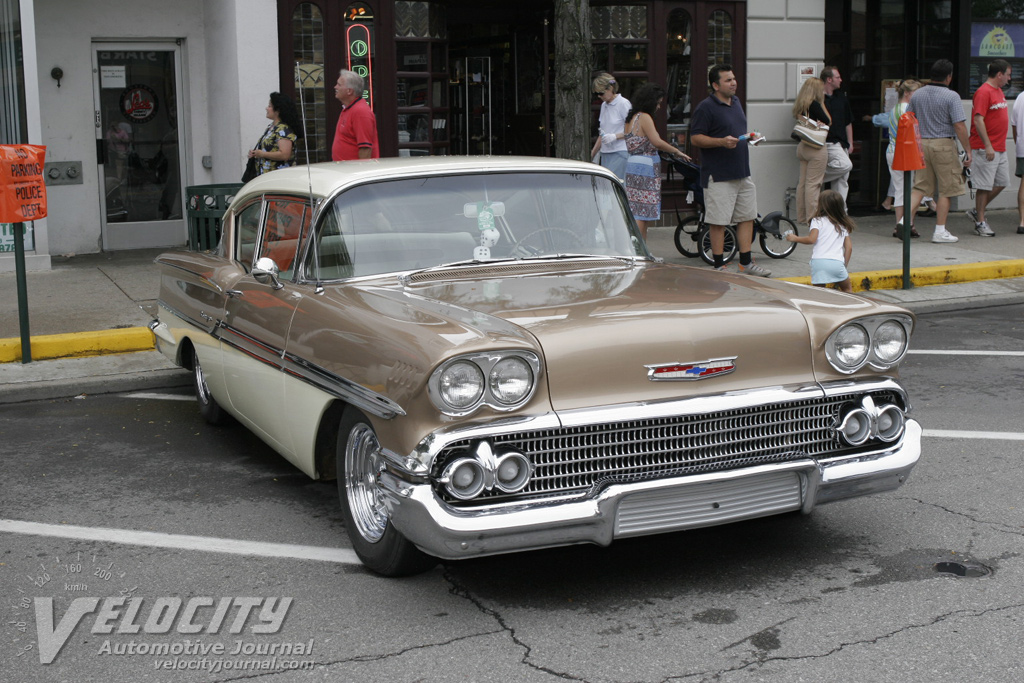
(829, 235)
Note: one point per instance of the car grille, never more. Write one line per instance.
(580, 460)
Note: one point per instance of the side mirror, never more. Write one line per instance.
(265, 269)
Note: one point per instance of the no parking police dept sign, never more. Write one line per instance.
(22, 187)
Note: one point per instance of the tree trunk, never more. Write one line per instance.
(572, 79)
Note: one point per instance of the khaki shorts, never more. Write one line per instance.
(985, 174)
(941, 168)
(730, 202)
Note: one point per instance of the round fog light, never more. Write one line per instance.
(513, 472)
(463, 478)
(890, 423)
(856, 427)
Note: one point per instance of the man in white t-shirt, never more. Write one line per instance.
(612, 121)
(1017, 121)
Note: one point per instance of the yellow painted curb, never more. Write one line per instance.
(77, 344)
(930, 275)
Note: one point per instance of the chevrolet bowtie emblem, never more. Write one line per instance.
(674, 372)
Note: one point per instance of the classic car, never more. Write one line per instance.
(487, 358)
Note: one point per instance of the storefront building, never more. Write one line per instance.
(135, 101)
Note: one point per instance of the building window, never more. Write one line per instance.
(308, 42)
(719, 38)
(997, 32)
(620, 44)
(421, 82)
(678, 46)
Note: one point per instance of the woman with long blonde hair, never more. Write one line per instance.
(810, 102)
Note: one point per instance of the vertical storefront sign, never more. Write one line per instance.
(360, 56)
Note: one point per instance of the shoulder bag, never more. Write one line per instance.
(810, 131)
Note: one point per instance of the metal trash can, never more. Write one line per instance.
(205, 207)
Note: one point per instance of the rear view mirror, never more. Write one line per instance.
(473, 209)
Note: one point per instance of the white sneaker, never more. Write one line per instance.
(756, 270)
(944, 236)
(984, 230)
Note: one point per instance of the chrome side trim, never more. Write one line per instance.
(296, 367)
(201, 324)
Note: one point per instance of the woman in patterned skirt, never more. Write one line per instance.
(643, 168)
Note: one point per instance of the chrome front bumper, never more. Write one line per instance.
(642, 508)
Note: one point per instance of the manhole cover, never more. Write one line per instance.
(965, 569)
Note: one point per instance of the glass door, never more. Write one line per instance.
(137, 91)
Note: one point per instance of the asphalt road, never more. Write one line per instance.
(849, 593)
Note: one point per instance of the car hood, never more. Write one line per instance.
(599, 329)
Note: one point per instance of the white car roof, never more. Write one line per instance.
(327, 178)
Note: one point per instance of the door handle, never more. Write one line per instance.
(233, 293)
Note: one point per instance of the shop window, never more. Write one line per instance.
(619, 39)
(719, 38)
(997, 32)
(421, 60)
(310, 89)
(678, 46)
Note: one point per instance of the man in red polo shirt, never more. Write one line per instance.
(356, 134)
(991, 169)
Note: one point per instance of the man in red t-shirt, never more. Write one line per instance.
(356, 134)
(991, 119)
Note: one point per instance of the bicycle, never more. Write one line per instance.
(693, 235)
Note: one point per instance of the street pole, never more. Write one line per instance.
(19, 265)
(909, 213)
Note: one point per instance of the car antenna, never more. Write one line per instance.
(309, 177)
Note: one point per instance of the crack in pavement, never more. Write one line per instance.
(759, 661)
(367, 658)
(460, 590)
(996, 526)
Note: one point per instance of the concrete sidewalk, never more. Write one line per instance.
(98, 305)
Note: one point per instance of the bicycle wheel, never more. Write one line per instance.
(778, 247)
(686, 235)
(728, 250)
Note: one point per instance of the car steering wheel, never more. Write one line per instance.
(519, 249)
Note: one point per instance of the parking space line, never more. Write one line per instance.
(954, 434)
(200, 543)
(961, 352)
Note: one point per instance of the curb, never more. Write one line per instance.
(78, 344)
(929, 275)
(130, 339)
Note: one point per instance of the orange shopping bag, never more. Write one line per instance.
(908, 155)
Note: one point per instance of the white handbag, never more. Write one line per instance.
(810, 131)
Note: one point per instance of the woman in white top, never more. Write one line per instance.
(612, 121)
(829, 234)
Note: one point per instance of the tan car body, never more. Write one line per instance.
(280, 363)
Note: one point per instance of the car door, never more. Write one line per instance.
(257, 315)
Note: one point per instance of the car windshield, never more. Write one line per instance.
(416, 223)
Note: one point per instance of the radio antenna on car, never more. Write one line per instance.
(309, 175)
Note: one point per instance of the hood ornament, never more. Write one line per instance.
(683, 372)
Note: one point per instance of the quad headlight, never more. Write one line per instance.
(878, 341)
(503, 380)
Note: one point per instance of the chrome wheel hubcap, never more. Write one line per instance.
(362, 468)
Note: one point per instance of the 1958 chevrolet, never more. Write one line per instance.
(487, 358)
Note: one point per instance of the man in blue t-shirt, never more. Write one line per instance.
(730, 198)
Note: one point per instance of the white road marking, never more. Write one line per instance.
(954, 434)
(963, 352)
(201, 543)
(161, 397)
